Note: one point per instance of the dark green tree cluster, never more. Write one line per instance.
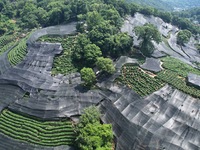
(88, 76)
(6, 25)
(198, 47)
(102, 24)
(105, 64)
(183, 37)
(35, 13)
(192, 14)
(147, 34)
(92, 135)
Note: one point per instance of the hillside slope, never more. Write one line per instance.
(183, 4)
(153, 3)
(169, 4)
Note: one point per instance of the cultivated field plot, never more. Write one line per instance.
(46, 133)
(174, 73)
(6, 42)
(62, 63)
(17, 54)
(140, 82)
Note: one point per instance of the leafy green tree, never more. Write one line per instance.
(93, 18)
(134, 8)
(123, 7)
(147, 11)
(95, 136)
(30, 21)
(117, 44)
(147, 34)
(91, 134)
(79, 7)
(1, 5)
(88, 76)
(8, 11)
(183, 37)
(166, 16)
(113, 16)
(6, 25)
(78, 50)
(42, 16)
(91, 52)
(91, 115)
(105, 64)
(101, 31)
(29, 15)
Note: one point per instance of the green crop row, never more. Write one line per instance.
(140, 82)
(62, 63)
(7, 46)
(5, 39)
(178, 82)
(35, 127)
(17, 116)
(178, 66)
(17, 54)
(47, 133)
(6, 42)
(174, 73)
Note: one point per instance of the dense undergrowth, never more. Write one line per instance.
(46, 133)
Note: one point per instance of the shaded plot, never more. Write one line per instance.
(9, 94)
(152, 64)
(188, 53)
(30, 89)
(194, 80)
(163, 120)
(166, 119)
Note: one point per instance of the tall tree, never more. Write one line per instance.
(92, 135)
(78, 50)
(88, 76)
(147, 34)
(183, 37)
(117, 44)
(105, 64)
(91, 52)
(93, 18)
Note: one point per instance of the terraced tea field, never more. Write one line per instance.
(6, 42)
(17, 54)
(174, 73)
(62, 63)
(46, 133)
(139, 81)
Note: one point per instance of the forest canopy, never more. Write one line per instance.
(41, 13)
